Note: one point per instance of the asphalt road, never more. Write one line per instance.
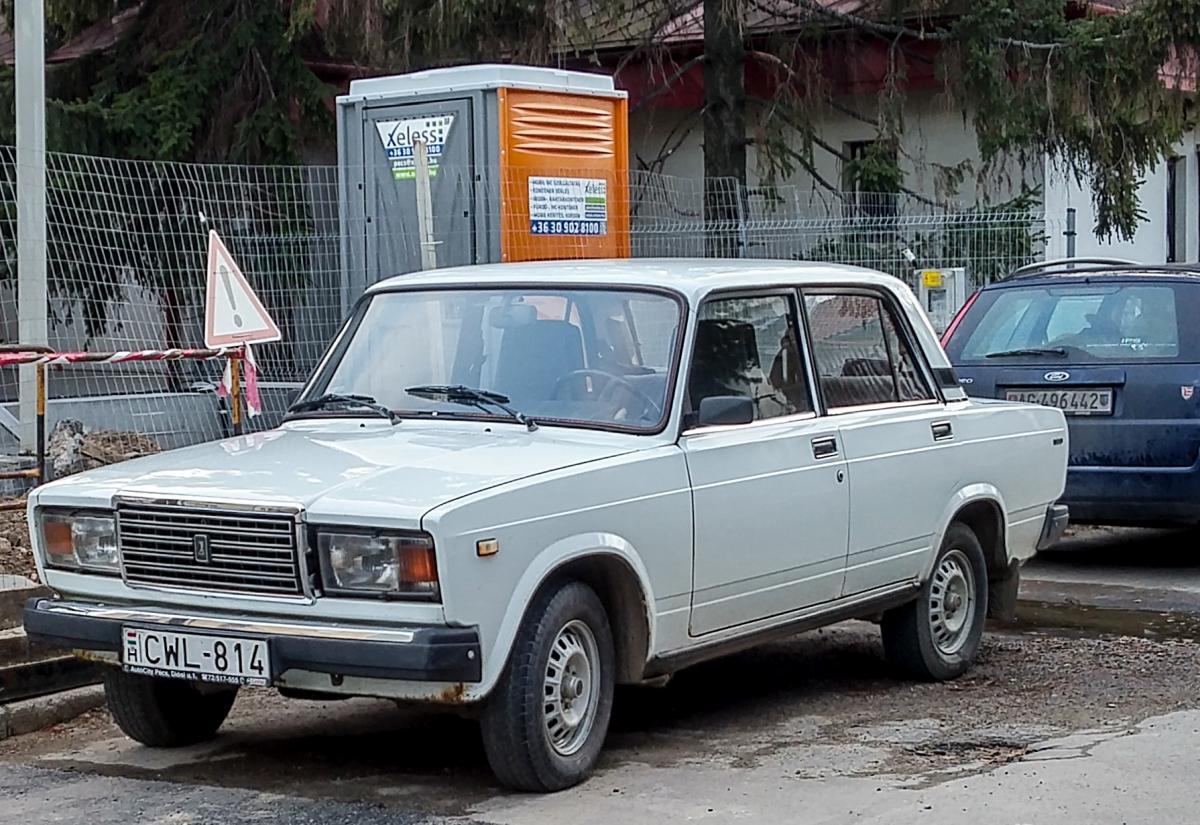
(1120, 568)
(1122, 556)
(1046, 728)
(1067, 727)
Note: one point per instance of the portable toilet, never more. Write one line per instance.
(524, 163)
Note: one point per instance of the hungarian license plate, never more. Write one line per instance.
(222, 660)
(1071, 402)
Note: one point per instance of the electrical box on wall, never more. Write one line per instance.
(524, 164)
(942, 292)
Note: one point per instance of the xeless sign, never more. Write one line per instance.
(397, 137)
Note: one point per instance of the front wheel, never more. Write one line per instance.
(937, 636)
(165, 713)
(545, 722)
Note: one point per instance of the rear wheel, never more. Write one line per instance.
(545, 722)
(937, 636)
(165, 713)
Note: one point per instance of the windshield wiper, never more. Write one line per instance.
(366, 402)
(458, 394)
(1006, 353)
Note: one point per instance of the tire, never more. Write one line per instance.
(531, 743)
(937, 636)
(165, 713)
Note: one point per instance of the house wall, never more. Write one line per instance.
(937, 136)
(1149, 243)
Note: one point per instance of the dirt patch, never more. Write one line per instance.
(831, 692)
(15, 555)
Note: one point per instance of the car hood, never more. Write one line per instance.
(347, 471)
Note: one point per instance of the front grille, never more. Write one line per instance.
(239, 552)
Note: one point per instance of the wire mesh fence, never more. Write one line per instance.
(127, 240)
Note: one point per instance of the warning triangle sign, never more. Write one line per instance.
(233, 314)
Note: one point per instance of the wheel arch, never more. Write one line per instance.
(980, 507)
(610, 566)
(617, 585)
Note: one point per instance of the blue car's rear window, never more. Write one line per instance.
(1092, 321)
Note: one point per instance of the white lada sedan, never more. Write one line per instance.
(513, 487)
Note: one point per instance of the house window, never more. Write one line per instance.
(1176, 209)
(867, 193)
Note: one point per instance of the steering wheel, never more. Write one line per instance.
(610, 381)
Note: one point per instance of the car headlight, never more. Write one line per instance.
(378, 564)
(80, 541)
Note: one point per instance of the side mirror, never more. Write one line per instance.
(718, 410)
(289, 398)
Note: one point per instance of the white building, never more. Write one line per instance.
(666, 132)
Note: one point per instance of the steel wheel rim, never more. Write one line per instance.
(571, 688)
(952, 602)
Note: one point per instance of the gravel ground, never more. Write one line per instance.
(821, 706)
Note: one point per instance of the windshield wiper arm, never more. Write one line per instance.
(366, 402)
(1006, 353)
(458, 394)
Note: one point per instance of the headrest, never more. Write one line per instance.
(512, 315)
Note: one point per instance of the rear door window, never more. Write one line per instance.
(1101, 322)
(861, 357)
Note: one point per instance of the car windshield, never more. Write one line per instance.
(601, 357)
(1111, 323)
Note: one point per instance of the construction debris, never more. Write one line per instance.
(73, 448)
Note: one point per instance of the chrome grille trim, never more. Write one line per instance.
(250, 551)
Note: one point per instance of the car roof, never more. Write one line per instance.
(1087, 273)
(693, 277)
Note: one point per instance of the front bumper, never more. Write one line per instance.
(417, 653)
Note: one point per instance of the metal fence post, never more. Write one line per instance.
(1070, 232)
(739, 194)
(32, 309)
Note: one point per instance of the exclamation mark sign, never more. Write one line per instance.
(224, 270)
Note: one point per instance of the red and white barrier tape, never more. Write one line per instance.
(11, 359)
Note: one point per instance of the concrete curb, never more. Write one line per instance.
(13, 595)
(29, 715)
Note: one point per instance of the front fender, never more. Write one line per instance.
(541, 569)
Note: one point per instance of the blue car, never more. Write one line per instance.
(1116, 346)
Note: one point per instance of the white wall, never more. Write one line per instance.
(1149, 243)
(935, 133)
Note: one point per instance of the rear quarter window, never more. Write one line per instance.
(1092, 321)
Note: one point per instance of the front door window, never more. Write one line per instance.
(748, 347)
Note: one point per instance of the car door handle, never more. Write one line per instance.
(824, 447)
(942, 431)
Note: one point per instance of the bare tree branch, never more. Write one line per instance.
(886, 29)
(668, 82)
